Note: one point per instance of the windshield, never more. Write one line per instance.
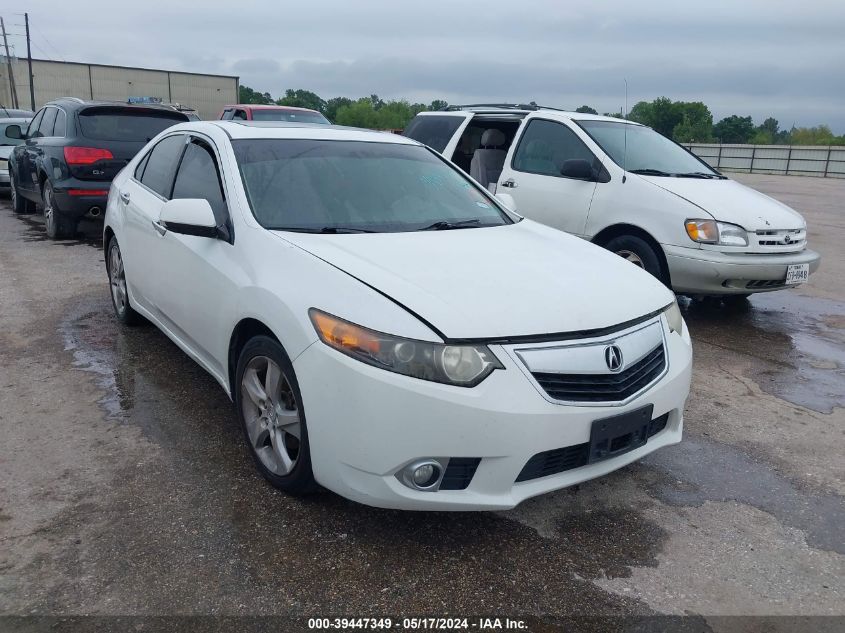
(302, 116)
(647, 151)
(354, 186)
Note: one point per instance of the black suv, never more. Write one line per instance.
(73, 149)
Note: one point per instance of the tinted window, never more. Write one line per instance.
(198, 178)
(546, 145)
(114, 125)
(161, 164)
(289, 115)
(47, 123)
(32, 130)
(60, 128)
(434, 131)
(139, 170)
(299, 184)
(240, 114)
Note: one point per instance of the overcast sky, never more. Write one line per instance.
(748, 57)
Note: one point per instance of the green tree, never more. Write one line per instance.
(696, 123)
(818, 135)
(360, 113)
(734, 129)
(302, 99)
(248, 95)
(662, 114)
(438, 104)
(333, 105)
(585, 109)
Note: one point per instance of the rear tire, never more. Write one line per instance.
(639, 252)
(58, 225)
(269, 404)
(19, 204)
(117, 286)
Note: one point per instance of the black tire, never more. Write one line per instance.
(117, 286)
(58, 225)
(299, 480)
(19, 203)
(639, 252)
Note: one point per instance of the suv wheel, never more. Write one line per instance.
(19, 203)
(637, 251)
(117, 284)
(59, 226)
(269, 405)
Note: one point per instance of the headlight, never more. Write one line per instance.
(461, 365)
(674, 318)
(712, 232)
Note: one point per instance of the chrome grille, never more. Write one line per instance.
(780, 240)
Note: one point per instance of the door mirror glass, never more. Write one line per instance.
(189, 216)
(577, 168)
(15, 132)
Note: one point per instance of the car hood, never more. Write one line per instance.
(730, 201)
(497, 282)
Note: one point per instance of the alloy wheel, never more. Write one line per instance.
(117, 279)
(632, 257)
(13, 193)
(271, 414)
(49, 206)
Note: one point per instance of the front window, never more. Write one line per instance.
(352, 186)
(300, 116)
(640, 149)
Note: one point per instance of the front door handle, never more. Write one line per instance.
(159, 227)
(510, 183)
(124, 195)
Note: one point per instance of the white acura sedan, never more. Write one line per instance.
(386, 328)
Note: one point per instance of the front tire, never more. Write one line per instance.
(639, 252)
(19, 204)
(117, 285)
(269, 405)
(58, 225)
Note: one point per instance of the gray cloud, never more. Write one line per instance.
(753, 57)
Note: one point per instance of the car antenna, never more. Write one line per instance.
(625, 136)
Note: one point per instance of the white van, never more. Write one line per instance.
(629, 189)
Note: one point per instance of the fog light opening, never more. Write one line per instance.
(423, 475)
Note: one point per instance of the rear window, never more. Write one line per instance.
(434, 131)
(289, 115)
(111, 125)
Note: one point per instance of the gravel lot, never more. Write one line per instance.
(126, 489)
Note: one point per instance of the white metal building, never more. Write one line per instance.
(205, 93)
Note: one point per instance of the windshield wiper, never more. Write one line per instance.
(650, 172)
(445, 225)
(701, 174)
(325, 229)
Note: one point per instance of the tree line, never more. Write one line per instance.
(682, 121)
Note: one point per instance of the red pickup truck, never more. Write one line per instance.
(252, 112)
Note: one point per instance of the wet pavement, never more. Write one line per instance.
(126, 489)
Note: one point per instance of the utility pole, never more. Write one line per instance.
(13, 91)
(29, 62)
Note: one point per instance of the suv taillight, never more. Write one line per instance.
(86, 155)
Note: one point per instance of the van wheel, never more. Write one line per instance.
(269, 405)
(19, 203)
(58, 225)
(637, 251)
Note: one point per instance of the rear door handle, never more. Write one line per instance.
(159, 227)
(124, 195)
(509, 183)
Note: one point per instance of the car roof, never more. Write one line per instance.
(259, 106)
(77, 103)
(516, 110)
(285, 129)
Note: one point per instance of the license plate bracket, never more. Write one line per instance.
(618, 434)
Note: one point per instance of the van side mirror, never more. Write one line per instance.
(14, 131)
(578, 168)
(189, 216)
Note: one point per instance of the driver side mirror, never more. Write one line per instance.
(578, 168)
(189, 216)
(14, 131)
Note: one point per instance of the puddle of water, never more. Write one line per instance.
(799, 340)
(89, 233)
(699, 470)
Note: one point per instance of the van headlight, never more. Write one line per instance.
(674, 318)
(713, 232)
(460, 365)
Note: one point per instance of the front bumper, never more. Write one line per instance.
(366, 424)
(699, 271)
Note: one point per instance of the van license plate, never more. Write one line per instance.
(797, 274)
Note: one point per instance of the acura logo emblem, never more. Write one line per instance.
(613, 357)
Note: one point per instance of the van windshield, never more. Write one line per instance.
(640, 149)
(322, 186)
